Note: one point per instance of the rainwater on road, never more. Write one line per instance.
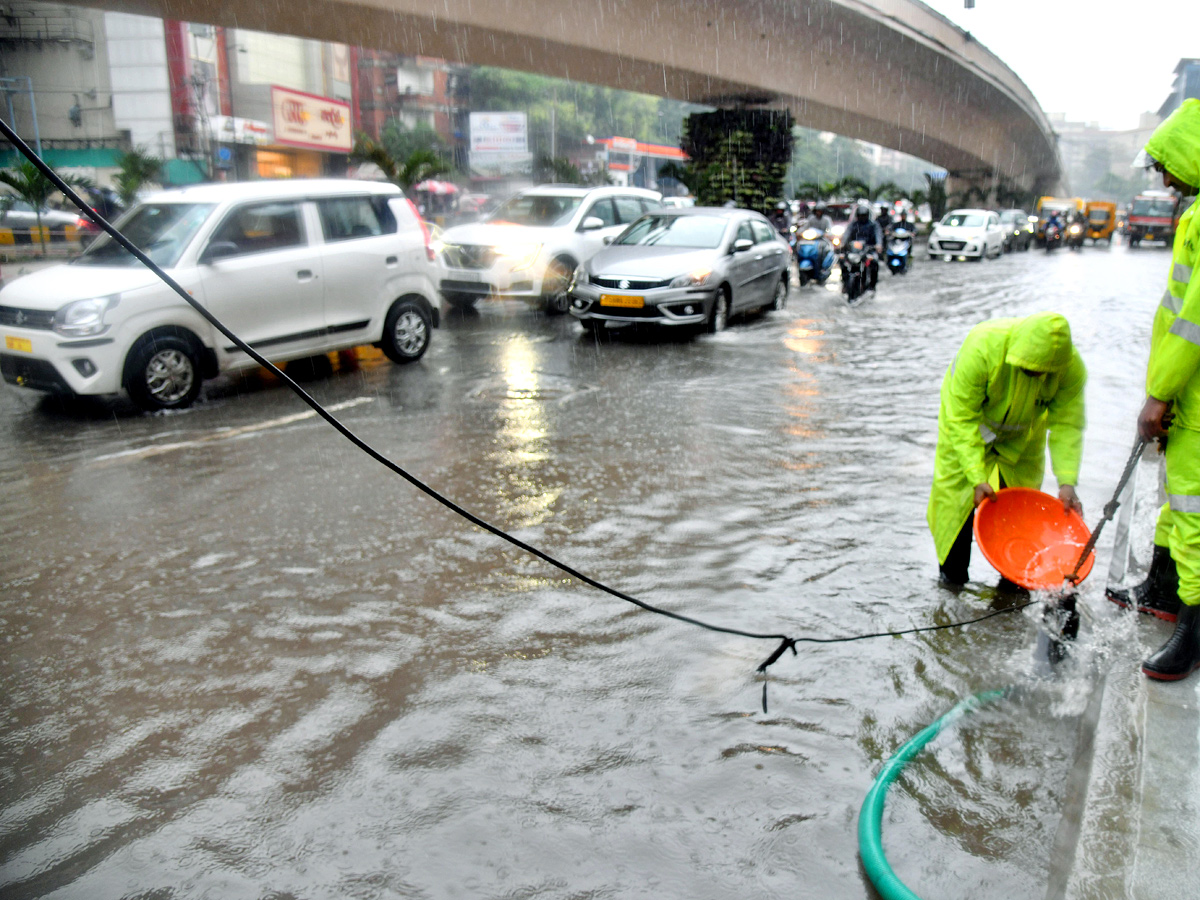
(242, 660)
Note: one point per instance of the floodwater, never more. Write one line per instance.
(242, 660)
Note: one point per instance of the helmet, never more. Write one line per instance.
(862, 211)
(781, 206)
(819, 208)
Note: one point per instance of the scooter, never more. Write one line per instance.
(814, 256)
(899, 249)
(1054, 236)
(1075, 235)
(855, 261)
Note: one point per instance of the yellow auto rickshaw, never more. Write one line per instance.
(1101, 220)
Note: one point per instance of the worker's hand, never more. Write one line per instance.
(1153, 420)
(1070, 500)
(983, 492)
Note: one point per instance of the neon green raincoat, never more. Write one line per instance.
(995, 417)
(1173, 374)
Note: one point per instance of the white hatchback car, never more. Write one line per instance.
(531, 245)
(973, 233)
(294, 268)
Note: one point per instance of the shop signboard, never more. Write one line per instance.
(306, 120)
(236, 130)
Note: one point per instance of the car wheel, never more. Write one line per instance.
(406, 332)
(555, 298)
(718, 318)
(164, 373)
(779, 301)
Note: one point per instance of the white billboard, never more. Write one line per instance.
(506, 132)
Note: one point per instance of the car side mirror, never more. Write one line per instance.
(591, 223)
(608, 239)
(219, 250)
(741, 245)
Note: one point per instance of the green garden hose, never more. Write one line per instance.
(870, 817)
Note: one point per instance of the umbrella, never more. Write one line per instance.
(433, 186)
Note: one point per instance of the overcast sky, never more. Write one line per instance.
(1095, 60)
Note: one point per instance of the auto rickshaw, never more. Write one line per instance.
(1101, 220)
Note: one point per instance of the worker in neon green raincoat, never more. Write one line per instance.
(1012, 383)
(1172, 406)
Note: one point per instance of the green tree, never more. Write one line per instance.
(137, 169)
(401, 141)
(405, 173)
(28, 183)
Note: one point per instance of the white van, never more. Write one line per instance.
(294, 268)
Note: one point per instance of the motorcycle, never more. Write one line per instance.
(1054, 236)
(856, 259)
(1075, 236)
(899, 249)
(814, 256)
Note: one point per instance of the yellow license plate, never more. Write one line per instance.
(22, 344)
(622, 300)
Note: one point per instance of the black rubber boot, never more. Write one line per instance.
(1180, 655)
(1158, 595)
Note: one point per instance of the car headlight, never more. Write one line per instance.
(691, 279)
(580, 276)
(519, 256)
(84, 318)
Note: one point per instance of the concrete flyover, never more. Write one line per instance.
(893, 72)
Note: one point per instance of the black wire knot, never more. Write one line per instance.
(786, 644)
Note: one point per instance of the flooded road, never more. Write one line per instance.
(243, 660)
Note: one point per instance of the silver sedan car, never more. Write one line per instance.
(692, 267)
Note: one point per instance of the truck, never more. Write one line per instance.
(1153, 216)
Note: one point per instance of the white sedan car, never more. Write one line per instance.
(963, 233)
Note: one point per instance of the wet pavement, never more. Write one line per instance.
(243, 660)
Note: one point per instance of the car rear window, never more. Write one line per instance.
(628, 209)
(762, 232)
(347, 218)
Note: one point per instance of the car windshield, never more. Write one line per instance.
(1098, 215)
(160, 230)
(1153, 208)
(701, 232)
(536, 209)
(962, 220)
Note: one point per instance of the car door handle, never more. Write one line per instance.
(760, 256)
(305, 275)
(391, 260)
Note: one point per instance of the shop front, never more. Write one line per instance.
(312, 136)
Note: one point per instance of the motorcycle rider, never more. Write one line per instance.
(820, 219)
(863, 229)
(781, 218)
(1055, 220)
(884, 220)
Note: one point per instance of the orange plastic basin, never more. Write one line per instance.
(1030, 539)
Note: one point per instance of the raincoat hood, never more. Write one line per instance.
(1040, 343)
(1176, 142)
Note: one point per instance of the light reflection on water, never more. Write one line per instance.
(257, 665)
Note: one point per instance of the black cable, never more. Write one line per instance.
(786, 642)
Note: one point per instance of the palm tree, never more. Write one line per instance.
(886, 190)
(29, 184)
(138, 168)
(418, 166)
